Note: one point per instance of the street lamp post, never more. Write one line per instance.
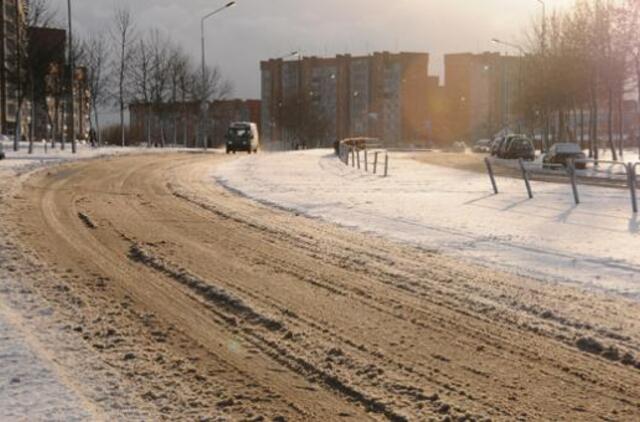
(543, 45)
(522, 54)
(71, 77)
(286, 56)
(204, 76)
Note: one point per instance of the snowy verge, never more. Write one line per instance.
(593, 245)
(21, 161)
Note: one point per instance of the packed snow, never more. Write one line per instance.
(593, 245)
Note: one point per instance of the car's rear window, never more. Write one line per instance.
(520, 144)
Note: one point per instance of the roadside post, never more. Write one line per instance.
(525, 176)
(487, 162)
(631, 175)
(375, 162)
(366, 161)
(353, 156)
(386, 164)
(358, 155)
(571, 168)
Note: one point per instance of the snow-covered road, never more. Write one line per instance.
(595, 245)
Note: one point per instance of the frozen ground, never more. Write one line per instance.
(593, 245)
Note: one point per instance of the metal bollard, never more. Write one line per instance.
(386, 164)
(353, 157)
(358, 155)
(631, 175)
(366, 161)
(525, 176)
(375, 162)
(487, 162)
(574, 184)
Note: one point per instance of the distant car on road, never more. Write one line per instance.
(560, 154)
(482, 146)
(242, 136)
(458, 147)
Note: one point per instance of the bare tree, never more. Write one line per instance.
(96, 62)
(140, 72)
(123, 35)
(304, 122)
(179, 68)
(40, 14)
(160, 57)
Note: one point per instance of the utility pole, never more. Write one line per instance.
(71, 78)
(520, 84)
(205, 93)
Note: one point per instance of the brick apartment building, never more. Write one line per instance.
(178, 123)
(13, 34)
(481, 92)
(382, 95)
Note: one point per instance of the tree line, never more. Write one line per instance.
(124, 64)
(579, 67)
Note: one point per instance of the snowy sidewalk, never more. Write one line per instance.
(594, 245)
(29, 387)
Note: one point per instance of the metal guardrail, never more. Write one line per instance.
(356, 153)
(630, 170)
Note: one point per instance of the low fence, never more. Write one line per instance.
(630, 174)
(364, 154)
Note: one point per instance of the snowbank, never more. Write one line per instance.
(594, 245)
(22, 161)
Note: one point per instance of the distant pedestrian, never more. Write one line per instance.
(92, 138)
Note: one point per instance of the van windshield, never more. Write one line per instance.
(239, 132)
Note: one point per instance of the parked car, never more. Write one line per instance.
(482, 146)
(560, 154)
(517, 147)
(242, 136)
(2, 155)
(498, 143)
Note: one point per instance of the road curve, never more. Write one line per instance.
(208, 305)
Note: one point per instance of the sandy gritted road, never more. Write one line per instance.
(190, 302)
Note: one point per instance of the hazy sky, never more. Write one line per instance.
(254, 30)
